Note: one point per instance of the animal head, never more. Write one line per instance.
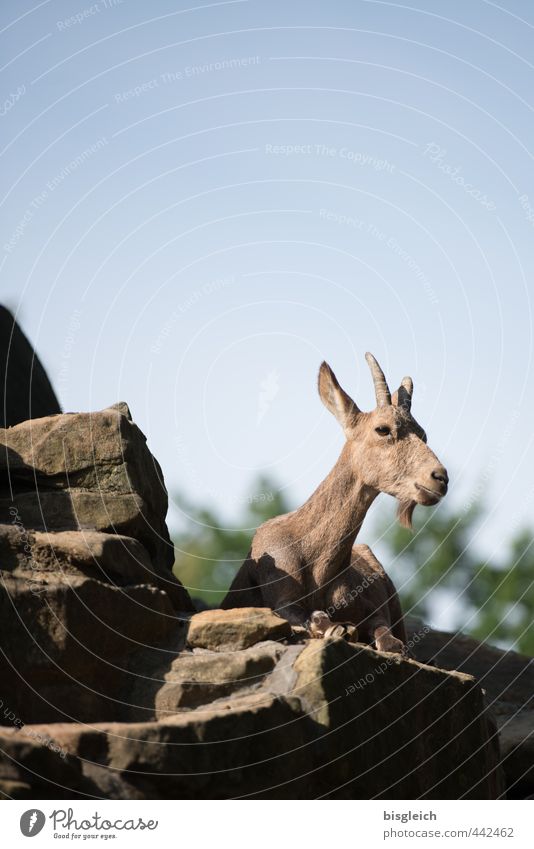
(387, 447)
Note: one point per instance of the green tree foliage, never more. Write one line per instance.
(439, 565)
(436, 567)
(208, 553)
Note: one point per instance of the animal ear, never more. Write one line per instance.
(336, 399)
(403, 396)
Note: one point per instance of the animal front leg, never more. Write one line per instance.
(382, 619)
(320, 625)
(294, 613)
(385, 641)
(277, 577)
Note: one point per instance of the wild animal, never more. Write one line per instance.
(304, 564)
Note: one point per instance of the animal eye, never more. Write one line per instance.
(383, 430)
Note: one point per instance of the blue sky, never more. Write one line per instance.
(200, 203)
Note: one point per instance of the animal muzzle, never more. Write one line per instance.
(435, 487)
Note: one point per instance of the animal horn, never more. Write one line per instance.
(403, 396)
(383, 396)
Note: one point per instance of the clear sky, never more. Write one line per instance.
(200, 202)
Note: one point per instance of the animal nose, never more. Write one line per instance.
(440, 474)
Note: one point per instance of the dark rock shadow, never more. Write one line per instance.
(25, 390)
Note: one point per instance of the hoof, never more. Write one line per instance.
(391, 644)
(318, 624)
(343, 631)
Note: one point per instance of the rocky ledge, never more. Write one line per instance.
(234, 705)
(111, 686)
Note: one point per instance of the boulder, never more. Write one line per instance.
(199, 679)
(69, 647)
(235, 749)
(87, 596)
(319, 718)
(33, 766)
(111, 687)
(507, 679)
(392, 728)
(85, 470)
(239, 628)
(39, 556)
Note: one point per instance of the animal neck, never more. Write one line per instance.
(332, 517)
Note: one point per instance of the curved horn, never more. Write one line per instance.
(403, 396)
(383, 396)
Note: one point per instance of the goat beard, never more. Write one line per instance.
(405, 513)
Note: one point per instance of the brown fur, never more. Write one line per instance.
(306, 561)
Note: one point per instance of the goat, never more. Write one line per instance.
(304, 564)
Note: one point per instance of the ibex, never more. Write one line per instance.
(303, 564)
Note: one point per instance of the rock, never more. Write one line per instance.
(111, 688)
(72, 646)
(85, 470)
(249, 746)
(508, 677)
(15, 790)
(84, 610)
(342, 721)
(517, 752)
(194, 680)
(508, 682)
(239, 628)
(25, 390)
(113, 558)
(395, 729)
(33, 766)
